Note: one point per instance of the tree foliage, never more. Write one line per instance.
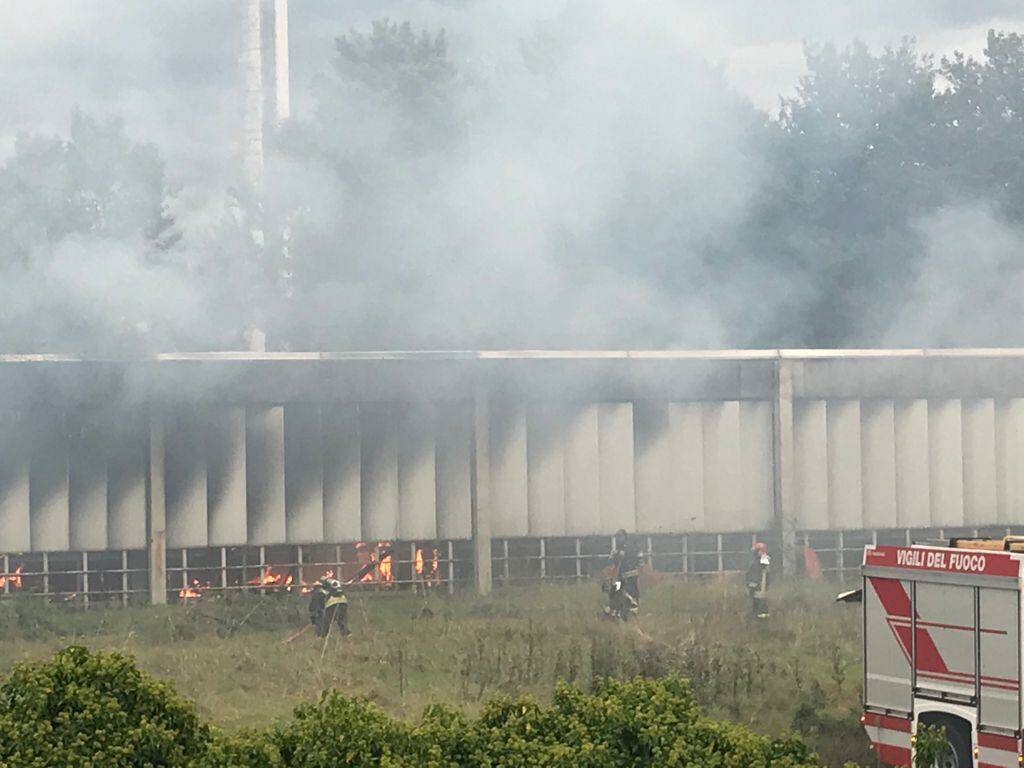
(578, 197)
(97, 183)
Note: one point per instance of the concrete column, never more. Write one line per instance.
(481, 496)
(155, 506)
(785, 512)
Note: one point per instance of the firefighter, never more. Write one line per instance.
(757, 580)
(328, 606)
(624, 591)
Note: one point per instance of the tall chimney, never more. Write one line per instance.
(282, 94)
(252, 72)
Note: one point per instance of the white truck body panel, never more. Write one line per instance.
(942, 634)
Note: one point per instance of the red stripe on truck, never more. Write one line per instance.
(896, 603)
(893, 755)
(888, 722)
(997, 741)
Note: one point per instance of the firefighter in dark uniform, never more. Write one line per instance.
(624, 594)
(328, 606)
(757, 580)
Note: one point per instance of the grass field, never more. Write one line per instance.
(798, 671)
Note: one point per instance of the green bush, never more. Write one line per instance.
(96, 709)
(85, 709)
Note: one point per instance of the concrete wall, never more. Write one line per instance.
(299, 449)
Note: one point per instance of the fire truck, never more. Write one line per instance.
(942, 647)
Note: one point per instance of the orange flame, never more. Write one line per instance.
(306, 588)
(384, 567)
(369, 553)
(429, 572)
(268, 578)
(12, 579)
(192, 592)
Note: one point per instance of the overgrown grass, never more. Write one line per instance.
(798, 671)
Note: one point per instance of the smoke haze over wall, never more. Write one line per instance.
(588, 175)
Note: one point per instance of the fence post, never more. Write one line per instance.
(155, 504)
(481, 493)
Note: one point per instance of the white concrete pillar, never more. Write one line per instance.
(810, 432)
(454, 471)
(545, 469)
(185, 478)
(15, 526)
(1010, 461)
(845, 496)
(686, 425)
(582, 470)
(88, 483)
(508, 462)
(342, 473)
(225, 475)
(945, 463)
(379, 482)
(264, 456)
(913, 492)
(49, 499)
(756, 458)
(656, 493)
(126, 479)
(303, 474)
(878, 463)
(417, 473)
(979, 436)
(617, 472)
(723, 480)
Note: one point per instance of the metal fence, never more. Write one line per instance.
(122, 577)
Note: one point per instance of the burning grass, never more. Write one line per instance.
(800, 670)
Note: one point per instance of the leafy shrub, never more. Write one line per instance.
(84, 709)
(639, 722)
(930, 744)
(340, 731)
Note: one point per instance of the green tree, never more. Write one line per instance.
(97, 183)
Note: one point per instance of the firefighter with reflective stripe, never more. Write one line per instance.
(624, 590)
(757, 580)
(328, 606)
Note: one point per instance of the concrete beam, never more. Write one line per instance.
(157, 511)
(481, 494)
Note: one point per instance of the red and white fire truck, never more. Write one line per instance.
(942, 646)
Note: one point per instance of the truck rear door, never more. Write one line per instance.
(887, 679)
(945, 657)
(999, 704)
